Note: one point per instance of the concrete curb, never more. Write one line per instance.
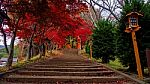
(16, 69)
(119, 72)
(9, 71)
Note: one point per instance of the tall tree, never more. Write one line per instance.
(34, 21)
(16, 14)
(51, 18)
(4, 21)
(125, 42)
(104, 37)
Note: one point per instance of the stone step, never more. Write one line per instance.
(118, 82)
(4, 82)
(54, 79)
(65, 69)
(63, 66)
(66, 61)
(58, 73)
(74, 62)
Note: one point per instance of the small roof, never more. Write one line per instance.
(134, 13)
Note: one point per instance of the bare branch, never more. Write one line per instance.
(120, 2)
(93, 9)
(108, 9)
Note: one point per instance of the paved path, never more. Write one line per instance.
(67, 69)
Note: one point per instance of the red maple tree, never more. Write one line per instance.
(44, 20)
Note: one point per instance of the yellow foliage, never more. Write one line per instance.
(54, 53)
(3, 69)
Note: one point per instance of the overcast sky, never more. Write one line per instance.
(1, 41)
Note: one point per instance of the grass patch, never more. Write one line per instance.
(20, 63)
(23, 63)
(93, 59)
(113, 64)
(116, 65)
(3, 54)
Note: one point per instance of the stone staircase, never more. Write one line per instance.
(67, 69)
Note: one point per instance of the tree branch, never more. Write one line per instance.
(107, 10)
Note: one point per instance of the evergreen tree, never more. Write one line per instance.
(126, 51)
(104, 39)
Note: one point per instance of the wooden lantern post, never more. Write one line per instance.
(79, 45)
(132, 28)
(90, 44)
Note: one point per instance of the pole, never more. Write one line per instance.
(137, 55)
(79, 45)
(91, 49)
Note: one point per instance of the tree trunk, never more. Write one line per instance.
(40, 51)
(21, 55)
(105, 59)
(34, 51)
(5, 42)
(30, 47)
(43, 50)
(10, 58)
(30, 43)
(132, 68)
(148, 59)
